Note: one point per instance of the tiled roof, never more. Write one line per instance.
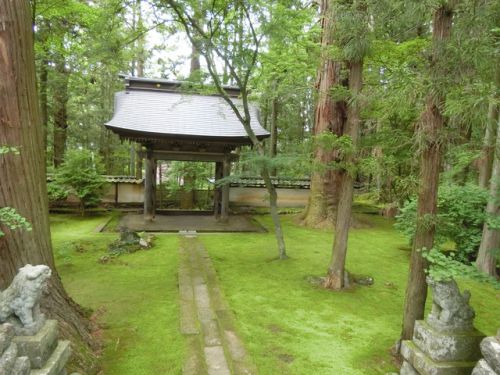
(111, 179)
(176, 114)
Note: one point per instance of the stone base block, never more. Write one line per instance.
(21, 367)
(6, 335)
(482, 368)
(8, 359)
(407, 369)
(426, 366)
(56, 363)
(490, 347)
(38, 348)
(447, 347)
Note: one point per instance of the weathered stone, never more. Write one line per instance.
(38, 348)
(216, 361)
(482, 368)
(6, 334)
(407, 369)
(19, 303)
(8, 359)
(490, 348)
(442, 346)
(426, 366)
(57, 361)
(21, 367)
(450, 308)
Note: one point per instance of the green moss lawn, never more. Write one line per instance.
(290, 326)
(134, 297)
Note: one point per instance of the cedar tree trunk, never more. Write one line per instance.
(431, 123)
(490, 240)
(22, 177)
(336, 277)
(330, 116)
(488, 150)
(60, 112)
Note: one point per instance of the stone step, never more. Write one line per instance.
(216, 361)
(57, 361)
(424, 365)
(39, 348)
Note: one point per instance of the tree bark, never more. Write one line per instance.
(22, 177)
(430, 126)
(44, 72)
(488, 150)
(490, 240)
(60, 112)
(330, 116)
(273, 143)
(337, 275)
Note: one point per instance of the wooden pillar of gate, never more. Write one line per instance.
(226, 170)
(150, 186)
(217, 189)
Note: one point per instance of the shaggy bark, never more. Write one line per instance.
(431, 123)
(336, 276)
(490, 240)
(330, 116)
(22, 177)
(490, 134)
(60, 113)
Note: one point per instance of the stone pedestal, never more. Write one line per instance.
(47, 355)
(41, 354)
(11, 363)
(447, 342)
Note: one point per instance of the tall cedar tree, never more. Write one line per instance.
(490, 241)
(330, 116)
(430, 129)
(22, 177)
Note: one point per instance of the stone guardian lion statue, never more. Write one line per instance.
(20, 302)
(450, 308)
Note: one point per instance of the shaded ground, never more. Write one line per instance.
(198, 223)
(288, 325)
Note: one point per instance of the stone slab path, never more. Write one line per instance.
(213, 347)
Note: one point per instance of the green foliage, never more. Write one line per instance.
(460, 219)
(8, 149)
(12, 220)
(8, 215)
(56, 192)
(444, 267)
(80, 174)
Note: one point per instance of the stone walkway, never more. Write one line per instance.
(206, 321)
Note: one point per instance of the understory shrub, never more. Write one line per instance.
(80, 174)
(56, 192)
(460, 218)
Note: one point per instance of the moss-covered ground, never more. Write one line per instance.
(134, 297)
(289, 325)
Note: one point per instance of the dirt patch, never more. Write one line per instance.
(274, 328)
(287, 358)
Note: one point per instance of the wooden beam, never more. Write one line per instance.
(192, 156)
